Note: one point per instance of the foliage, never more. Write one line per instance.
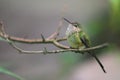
(7, 72)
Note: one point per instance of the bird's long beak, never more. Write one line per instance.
(67, 20)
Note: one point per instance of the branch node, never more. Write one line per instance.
(45, 51)
(2, 32)
(43, 38)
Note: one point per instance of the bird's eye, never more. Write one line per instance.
(75, 25)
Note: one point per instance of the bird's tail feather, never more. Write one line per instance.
(101, 65)
(92, 54)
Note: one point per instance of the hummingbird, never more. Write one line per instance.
(78, 39)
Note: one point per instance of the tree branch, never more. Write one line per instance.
(51, 39)
(45, 51)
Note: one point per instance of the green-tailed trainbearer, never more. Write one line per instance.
(77, 38)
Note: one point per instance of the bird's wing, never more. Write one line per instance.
(85, 40)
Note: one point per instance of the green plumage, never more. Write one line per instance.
(74, 39)
(78, 39)
(74, 34)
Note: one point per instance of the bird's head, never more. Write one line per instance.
(75, 24)
(72, 27)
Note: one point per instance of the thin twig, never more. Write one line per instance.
(50, 39)
(45, 51)
(60, 45)
(56, 33)
(43, 39)
(33, 41)
(2, 31)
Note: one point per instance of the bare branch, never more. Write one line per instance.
(45, 51)
(60, 45)
(52, 39)
(56, 33)
(32, 41)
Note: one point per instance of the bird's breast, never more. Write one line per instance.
(74, 40)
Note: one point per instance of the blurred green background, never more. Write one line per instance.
(30, 18)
